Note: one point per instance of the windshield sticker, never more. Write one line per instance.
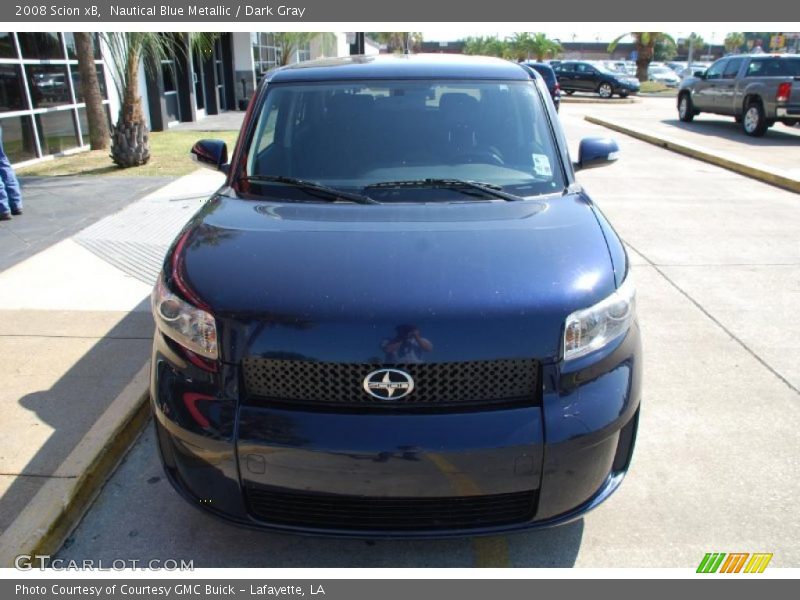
(541, 165)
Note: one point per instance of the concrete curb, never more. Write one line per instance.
(762, 173)
(598, 100)
(57, 508)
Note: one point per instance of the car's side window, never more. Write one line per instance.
(732, 68)
(715, 71)
(754, 68)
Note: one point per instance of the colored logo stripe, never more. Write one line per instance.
(758, 563)
(735, 561)
(711, 562)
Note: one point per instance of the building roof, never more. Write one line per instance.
(400, 66)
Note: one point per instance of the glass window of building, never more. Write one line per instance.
(266, 53)
(41, 45)
(18, 140)
(39, 78)
(304, 52)
(57, 131)
(12, 90)
(48, 85)
(8, 49)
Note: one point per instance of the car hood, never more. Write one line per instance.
(333, 282)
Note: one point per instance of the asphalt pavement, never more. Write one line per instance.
(58, 207)
(716, 261)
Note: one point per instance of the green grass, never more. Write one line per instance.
(169, 156)
(654, 87)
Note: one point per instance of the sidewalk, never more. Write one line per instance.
(774, 158)
(75, 336)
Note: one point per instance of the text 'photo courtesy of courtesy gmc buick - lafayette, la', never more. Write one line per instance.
(400, 316)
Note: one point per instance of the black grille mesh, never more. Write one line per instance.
(388, 514)
(456, 383)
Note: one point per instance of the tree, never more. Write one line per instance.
(398, 41)
(644, 42)
(697, 41)
(665, 49)
(90, 90)
(524, 46)
(289, 42)
(130, 137)
(485, 46)
(734, 41)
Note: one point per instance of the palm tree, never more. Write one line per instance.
(734, 41)
(130, 137)
(486, 46)
(645, 43)
(537, 45)
(289, 42)
(90, 90)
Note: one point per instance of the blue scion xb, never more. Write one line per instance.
(400, 315)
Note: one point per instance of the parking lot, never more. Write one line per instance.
(716, 260)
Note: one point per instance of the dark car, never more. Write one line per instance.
(582, 76)
(550, 80)
(400, 315)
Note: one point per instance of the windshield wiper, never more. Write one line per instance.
(315, 188)
(487, 189)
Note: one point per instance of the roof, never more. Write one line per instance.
(400, 66)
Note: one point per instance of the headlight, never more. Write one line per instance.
(191, 327)
(590, 329)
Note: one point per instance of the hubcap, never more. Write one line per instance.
(682, 108)
(605, 90)
(751, 119)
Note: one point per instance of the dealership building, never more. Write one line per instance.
(42, 113)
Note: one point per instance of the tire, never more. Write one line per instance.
(623, 94)
(685, 108)
(738, 119)
(569, 92)
(605, 90)
(791, 122)
(754, 122)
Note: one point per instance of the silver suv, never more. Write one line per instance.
(757, 90)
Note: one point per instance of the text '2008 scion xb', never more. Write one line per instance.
(400, 315)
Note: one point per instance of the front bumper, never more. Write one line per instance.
(566, 453)
(627, 86)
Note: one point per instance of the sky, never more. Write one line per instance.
(591, 32)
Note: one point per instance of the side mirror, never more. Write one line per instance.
(596, 152)
(212, 154)
(701, 74)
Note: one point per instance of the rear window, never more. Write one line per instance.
(546, 72)
(355, 134)
(774, 67)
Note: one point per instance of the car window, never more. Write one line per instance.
(732, 68)
(354, 134)
(774, 67)
(715, 71)
(566, 67)
(546, 73)
(585, 69)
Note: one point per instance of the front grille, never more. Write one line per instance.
(439, 384)
(323, 511)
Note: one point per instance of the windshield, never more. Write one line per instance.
(353, 135)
